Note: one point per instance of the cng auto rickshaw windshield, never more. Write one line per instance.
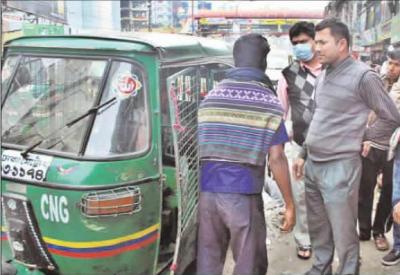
(46, 93)
(58, 138)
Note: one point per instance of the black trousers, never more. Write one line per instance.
(371, 165)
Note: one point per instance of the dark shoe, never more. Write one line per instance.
(304, 252)
(392, 258)
(381, 243)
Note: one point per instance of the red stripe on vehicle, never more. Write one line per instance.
(102, 254)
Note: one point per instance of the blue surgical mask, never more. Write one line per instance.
(303, 52)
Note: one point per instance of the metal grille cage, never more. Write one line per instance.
(123, 200)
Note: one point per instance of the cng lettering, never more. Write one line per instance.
(54, 208)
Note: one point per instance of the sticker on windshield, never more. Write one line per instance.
(34, 167)
(126, 85)
(5, 73)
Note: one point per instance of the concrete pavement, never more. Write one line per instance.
(282, 251)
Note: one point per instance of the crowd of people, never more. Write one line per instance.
(340, 122)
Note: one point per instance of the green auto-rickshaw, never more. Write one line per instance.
(99, 151)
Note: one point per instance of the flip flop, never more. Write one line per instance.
(303, 249)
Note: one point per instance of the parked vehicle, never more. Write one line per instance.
(99, 151)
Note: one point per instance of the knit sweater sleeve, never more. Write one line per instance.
(373, 93)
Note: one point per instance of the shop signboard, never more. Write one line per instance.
(212, 21)
(384, 30)
(368, 37)
(356, 42)
(52, 10)
(41, 29)
(395, 29)
(377, 47)
(275, 21)
(363, 22)
(10, 35)
(12, 21)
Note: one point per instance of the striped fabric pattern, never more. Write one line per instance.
(237, 121)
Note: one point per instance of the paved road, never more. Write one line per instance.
(283, 259)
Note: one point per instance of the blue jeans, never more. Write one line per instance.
(396, 197)
(396, 236)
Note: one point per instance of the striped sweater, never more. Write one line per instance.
(237, 121)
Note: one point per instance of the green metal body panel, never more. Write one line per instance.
(79, 230)
(170, 182)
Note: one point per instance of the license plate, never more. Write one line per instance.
(34, 167)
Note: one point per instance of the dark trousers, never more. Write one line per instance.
(234, 219)
(371, 165)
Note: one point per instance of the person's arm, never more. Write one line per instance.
(396, 213)
(373, 93)
(279, 167)
(281, 92)
(298, 163)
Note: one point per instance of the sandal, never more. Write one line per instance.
(304, 252)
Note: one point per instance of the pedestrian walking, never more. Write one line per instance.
(240, 121)
(295, 89)
(346, 91)
(374, 160)
(393, 257)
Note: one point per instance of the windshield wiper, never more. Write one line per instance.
(92, 110)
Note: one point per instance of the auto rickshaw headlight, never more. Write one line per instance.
(124, 200)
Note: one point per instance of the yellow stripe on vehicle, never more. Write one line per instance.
(115, 241)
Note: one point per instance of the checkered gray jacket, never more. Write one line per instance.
(300, 93)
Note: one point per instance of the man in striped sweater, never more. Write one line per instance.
(240, 122)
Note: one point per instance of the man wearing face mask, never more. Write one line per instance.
(295, 90)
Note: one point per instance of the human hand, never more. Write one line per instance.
(365, 148)
(396, 213)
(298, 168)
(289, 219)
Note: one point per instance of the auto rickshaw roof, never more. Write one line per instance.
(170, 47)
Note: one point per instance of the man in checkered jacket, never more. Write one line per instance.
(295, 91)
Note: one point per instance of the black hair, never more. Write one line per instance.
(338, 29)
(395, 54)
(305, 27)
(250, 50)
